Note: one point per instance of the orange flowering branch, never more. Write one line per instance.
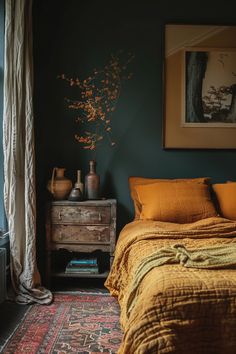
(99, 95)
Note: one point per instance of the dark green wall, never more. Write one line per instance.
(73, 37)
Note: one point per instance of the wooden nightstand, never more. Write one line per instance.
(85, 226)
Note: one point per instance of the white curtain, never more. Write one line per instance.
(18, 147)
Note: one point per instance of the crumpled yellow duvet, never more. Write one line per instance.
(177, 309)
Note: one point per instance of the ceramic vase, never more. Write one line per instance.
(75, 195)
(79, 183)
(92, 182)
(59, 186)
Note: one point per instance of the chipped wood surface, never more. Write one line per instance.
(81, 214)
(75, 247)
(81, 234)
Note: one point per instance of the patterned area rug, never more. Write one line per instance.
(78, 323)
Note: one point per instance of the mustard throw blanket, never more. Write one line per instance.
(212, 257)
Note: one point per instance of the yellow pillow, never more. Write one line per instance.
(226, 197)
(175, 202)
(134, 181)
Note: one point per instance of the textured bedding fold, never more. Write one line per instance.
(176, 309)
(216, 257)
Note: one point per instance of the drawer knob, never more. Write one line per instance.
(61, 236)
(100, 217)
(59, 215)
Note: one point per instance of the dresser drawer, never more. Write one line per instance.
(81, 214)
(80, 234)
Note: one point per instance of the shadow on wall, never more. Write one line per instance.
(109, 191)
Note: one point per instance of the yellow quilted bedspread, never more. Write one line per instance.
(177, 309)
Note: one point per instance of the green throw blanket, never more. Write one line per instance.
(205, 258)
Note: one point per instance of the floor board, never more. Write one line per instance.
(11, 315)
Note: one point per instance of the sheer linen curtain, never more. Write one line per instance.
(18, 147)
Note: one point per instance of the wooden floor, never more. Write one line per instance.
(75, 284)
(11, 315)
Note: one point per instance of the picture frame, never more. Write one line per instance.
(199, 87)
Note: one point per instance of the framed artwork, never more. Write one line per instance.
(200, 87)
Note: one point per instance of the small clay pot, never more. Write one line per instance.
(75, 195)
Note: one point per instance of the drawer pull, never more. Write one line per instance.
(59, 215)
(61, 236)
(99, 237)
(99, 217)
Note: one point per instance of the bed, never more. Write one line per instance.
(167, 304)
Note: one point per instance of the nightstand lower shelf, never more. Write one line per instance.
(79, 275)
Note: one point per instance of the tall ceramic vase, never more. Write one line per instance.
(79, 183)
(59, 186)
(92, 182)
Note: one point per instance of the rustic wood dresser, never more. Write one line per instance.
(85, 226)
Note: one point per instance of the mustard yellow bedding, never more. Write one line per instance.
(176, 309)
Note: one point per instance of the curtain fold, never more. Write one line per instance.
(19, 154)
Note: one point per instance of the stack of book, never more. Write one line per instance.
(82, 265)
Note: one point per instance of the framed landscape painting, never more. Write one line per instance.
(200, 87)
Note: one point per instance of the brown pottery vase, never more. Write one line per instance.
(92, 182)
(59, 186)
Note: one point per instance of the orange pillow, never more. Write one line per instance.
(175, 202)
(226, 197)
(134, 181)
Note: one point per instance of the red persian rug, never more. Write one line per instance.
(78, 323)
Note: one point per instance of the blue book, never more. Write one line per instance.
(90, 270)
(83, 261)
